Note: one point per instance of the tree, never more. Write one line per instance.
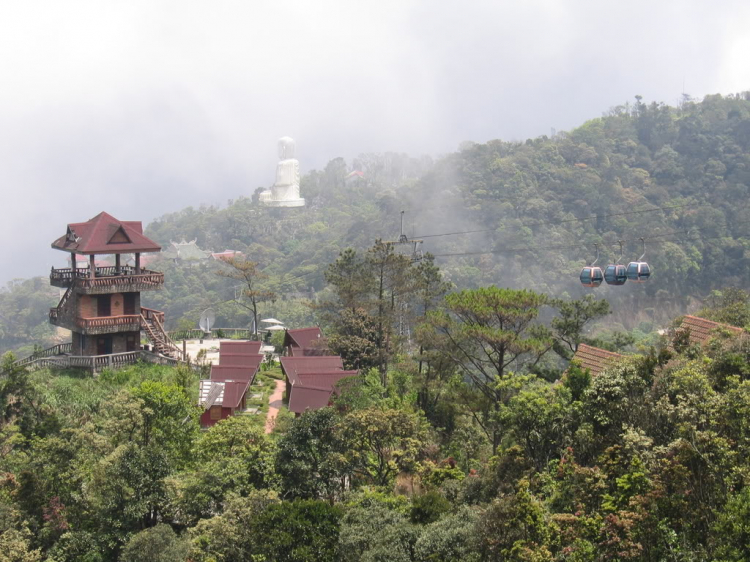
(378, 444)
(489, 330)
(393, 282)
(248, 273)
(260, 527)
(157, 544)
(234, 457)
(308, 457)
(376, 533)
(451, 539)
(355, 339)
(573, 317)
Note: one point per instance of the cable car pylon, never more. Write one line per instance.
(416, 253)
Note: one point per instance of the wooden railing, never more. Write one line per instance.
(106, 277)
(151, 314)
(108, 321)
(66, 274)
(149, 278)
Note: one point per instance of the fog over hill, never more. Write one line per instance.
(148, 107)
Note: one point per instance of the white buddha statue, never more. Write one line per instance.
(285, 190)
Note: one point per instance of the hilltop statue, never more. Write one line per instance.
(285, 190)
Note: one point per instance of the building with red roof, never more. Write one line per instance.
(225, 392)
(221, 399)
(102, 304)
(595, 359)
(305, 342)
(241, 359)
(311, 381)
(700, 330)
(252, 347)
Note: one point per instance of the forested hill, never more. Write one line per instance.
(677, 176)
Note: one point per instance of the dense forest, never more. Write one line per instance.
(468, 434)
(454, 448)
(677, 176)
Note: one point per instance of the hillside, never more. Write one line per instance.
(526, 198)
(678, 176)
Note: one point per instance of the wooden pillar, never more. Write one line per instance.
(92, 266)
(73, 268)
(137, 263)
(117, 264)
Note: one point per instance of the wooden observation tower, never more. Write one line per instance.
(102, 305)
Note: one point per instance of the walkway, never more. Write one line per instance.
(274, 403)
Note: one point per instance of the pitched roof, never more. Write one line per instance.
(292, 365)
(325, 379)
(701, 330)
(303, 337)
(227, 394)
(232, 372)
(252, 347)
(187, 251)
(104, 234)
(226, 255)
(302, 399)
(594, 359)
(250, 360)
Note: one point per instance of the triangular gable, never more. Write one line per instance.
(119, 237)
(100, 236)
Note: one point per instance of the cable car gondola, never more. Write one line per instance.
(616, 273)
(592, 275)
(639, 271)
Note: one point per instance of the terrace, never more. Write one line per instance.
(107, 279)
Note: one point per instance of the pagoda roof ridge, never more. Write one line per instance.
(104, 234)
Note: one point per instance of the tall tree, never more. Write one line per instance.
(573, 317)
(251, 277)
(490, 330)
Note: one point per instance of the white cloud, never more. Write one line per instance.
(144, 107)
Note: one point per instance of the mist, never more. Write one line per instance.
(144, 108)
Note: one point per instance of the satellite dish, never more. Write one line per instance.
(207, 321)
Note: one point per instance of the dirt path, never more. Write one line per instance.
(274, 403)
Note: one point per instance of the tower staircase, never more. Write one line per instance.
(157, 336)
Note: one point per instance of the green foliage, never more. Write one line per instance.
(375, 533)
(308, 458)
(157, 544)
(428, 507)
(261, 528)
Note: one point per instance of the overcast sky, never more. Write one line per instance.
(145, 107)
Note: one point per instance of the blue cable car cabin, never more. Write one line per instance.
(615, 274)
(592, 276)
(639, 271)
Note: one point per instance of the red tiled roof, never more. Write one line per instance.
(311, 364)
(701, 330)
(325, 379)
(594, 359)
(233, 393)
(252, 347)
(303, 337)
(104, 234)
(302, 399)
(251, 360)
(232, 372)
(226, 255)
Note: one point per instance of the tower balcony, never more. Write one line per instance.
(124, 279)
(96, 325)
